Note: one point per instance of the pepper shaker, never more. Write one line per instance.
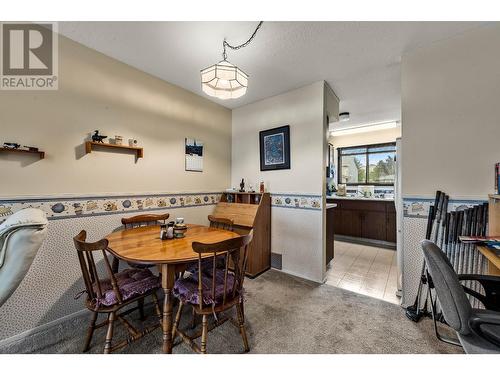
(163, 232)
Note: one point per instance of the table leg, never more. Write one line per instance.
(167, 283)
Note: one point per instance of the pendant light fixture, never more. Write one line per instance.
(225, 80)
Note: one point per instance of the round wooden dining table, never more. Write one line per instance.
(143, 245)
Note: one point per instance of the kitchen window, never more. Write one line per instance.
(367, 165)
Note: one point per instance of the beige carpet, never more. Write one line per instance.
(284, 314)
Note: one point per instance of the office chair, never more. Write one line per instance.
(478, 331)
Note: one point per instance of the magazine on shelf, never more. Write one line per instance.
(480, 239)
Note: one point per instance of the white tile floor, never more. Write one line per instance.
(364, 269)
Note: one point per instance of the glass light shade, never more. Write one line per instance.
(224, 81)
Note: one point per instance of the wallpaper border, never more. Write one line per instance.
(297, 201)
(93, 205)
(416, 207)
(67, 207)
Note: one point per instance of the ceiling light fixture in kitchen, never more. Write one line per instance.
(343, 116)
(225, 80)
(365, 128)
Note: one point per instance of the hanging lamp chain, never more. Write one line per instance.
(226, 44)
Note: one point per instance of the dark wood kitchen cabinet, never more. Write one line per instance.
(330, 232)
(391, 223)
(349, 222)
(374, 225)
(375, 220)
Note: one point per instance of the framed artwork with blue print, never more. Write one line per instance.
(275, 148)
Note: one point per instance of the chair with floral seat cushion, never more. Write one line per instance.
(218, 223)
(111, 294)
(136, 222)
(131, 282)
(140, 221)
(214, 292)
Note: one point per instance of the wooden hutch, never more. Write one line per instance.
(250, 210)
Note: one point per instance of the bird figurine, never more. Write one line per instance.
(96, 137)
(12, 145)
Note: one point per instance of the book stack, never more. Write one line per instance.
(493, 242)
(497, 178)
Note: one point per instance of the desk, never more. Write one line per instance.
(493, 260)
(143, 245)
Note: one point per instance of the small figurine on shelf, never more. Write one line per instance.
(262, 188)
(250, 189)
(12, 145)
(242, 186)
(118, 140)
(96, 137)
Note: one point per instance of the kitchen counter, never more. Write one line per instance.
(360, 198)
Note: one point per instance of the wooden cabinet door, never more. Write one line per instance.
(374, 225)
(337, 221)
(391, 227)
(351, 223)
(330, 214)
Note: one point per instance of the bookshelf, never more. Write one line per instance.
(250, 211)
(493, 230)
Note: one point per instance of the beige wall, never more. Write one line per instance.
(297, 234)
(302, 109)
(98, 92)
(451, 115)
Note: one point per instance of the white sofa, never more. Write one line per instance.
(21, 236)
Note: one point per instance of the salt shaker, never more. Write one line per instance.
(170, 230)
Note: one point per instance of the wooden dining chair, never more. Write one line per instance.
(212, 290)
(110, 294)
(144, 220)
(220, 223)
(135, 222)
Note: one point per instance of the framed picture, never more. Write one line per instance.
(194, 155)
(275, 148)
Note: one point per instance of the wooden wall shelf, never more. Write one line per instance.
(41, 154)
(89, 145)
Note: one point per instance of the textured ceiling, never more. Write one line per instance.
(360, 60)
